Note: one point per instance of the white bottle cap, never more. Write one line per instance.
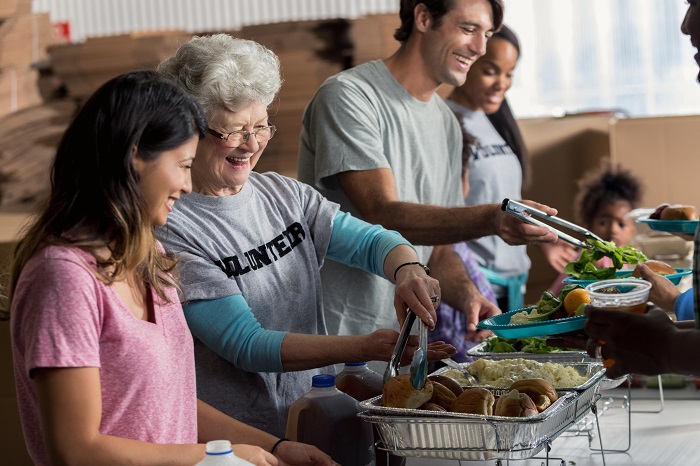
(219, 447)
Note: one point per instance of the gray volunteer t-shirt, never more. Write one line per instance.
(495, 173)
(267, 243)
(363, 119)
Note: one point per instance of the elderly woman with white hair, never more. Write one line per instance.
(251, 247)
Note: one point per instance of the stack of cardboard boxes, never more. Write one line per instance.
(24, 37)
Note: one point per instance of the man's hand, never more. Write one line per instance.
(632, 343)
(663, 293)
(515, 231)
(477, 308)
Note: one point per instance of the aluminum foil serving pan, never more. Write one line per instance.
(454, 436)
(480, 351)
(593, 372)
(561, 357)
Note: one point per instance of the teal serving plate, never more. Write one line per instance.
(686, 227)
(500, 326)
(674, 277)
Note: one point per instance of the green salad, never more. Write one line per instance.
(522, 345)
(584, 268)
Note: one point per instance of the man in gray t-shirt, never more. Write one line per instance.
(378, 140)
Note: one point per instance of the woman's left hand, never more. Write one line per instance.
(380, 345)
(301, 454)
(420, 293)
(255, 455)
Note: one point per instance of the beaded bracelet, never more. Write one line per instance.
(425, 267)
(274, 447)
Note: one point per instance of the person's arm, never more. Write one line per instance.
(647, 344)
(386, 253)
(70, 406)
(215, 425)
(373, 192)
(229, 328)
(459, 291)
(683, 306)
(663, 293)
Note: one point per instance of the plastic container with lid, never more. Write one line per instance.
(359, 381)
(220, 453)
(327, 418)
(362, 383)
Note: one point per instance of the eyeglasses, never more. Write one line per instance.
(236, 138)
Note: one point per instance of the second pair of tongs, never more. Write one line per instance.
(419, 363)
(518, 210)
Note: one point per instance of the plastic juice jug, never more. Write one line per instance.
(327, 418)
(220, 453)
(359, 381)
(362, 383)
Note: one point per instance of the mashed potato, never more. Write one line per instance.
(521, 317)
(503, 373)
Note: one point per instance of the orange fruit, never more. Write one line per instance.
(575, 298)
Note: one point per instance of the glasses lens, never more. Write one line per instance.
(264, 134)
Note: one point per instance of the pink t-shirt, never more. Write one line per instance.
(63, 316)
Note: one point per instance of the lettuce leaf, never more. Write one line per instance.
(584, 268)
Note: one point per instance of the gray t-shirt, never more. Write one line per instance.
(268, 243)
(494, 174)
(363, 119)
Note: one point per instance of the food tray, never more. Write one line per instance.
(501, 327)
(671, 226)
(454, 436)
(674, 277)
(561, 357)
(594, 371)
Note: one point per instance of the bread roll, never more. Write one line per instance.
(442, 396)
(515, 404)
(679, 212)
(474, 401)
(656, 266)
(535, 388)
(448, 382)
(398, 392)
(430, 406)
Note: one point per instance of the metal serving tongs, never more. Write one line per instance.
(419, 364)
(518, 209)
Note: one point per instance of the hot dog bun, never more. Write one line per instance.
(398, 392)
(656, 266)
(474, 401)
(515, 404)
(442, 396)
(448, 382)
(541, 391)
(679, 212)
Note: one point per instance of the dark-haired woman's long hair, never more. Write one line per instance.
(95, 202)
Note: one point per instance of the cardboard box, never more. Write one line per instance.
(660, 151)
(12, 444)
(561, 150)
(663, 152)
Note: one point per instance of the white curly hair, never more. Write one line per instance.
(220, 70)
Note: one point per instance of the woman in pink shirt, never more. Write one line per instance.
(103, 358)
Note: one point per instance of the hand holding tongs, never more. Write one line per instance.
(419, 364)
(517, 209)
